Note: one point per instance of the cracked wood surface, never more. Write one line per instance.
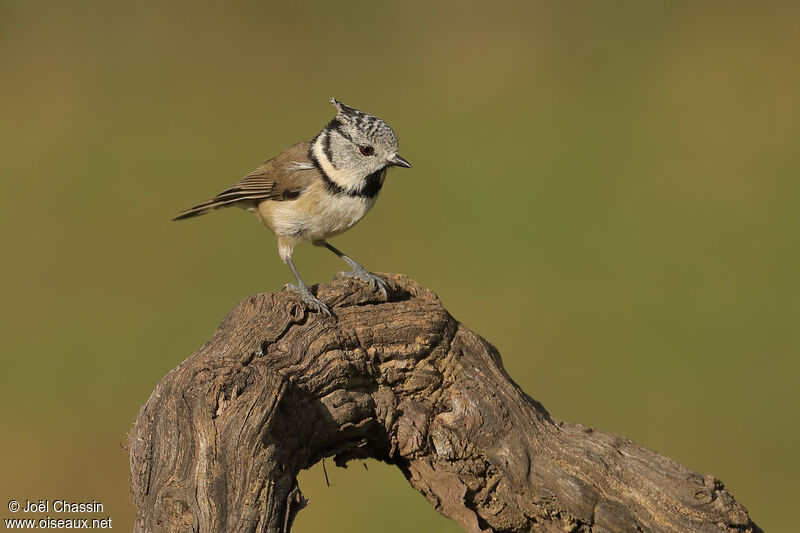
(219, 444)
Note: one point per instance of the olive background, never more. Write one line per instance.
(607, 191)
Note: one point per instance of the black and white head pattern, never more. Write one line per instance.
(354, 150)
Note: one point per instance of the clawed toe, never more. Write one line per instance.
(377, 283)
(313, 302)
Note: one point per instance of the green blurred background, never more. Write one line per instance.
(608, 192)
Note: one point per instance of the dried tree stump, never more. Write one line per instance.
(219, 444)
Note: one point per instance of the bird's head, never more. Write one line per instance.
(359, 143)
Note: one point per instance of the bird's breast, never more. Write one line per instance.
(315, 215)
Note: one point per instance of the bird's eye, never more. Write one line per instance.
(366, 150)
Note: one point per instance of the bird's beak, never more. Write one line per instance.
(398, 161)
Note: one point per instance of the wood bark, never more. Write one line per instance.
(219, 444)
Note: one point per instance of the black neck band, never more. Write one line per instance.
(371, 184)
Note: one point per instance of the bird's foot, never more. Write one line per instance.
(313, 302)
(377, 283)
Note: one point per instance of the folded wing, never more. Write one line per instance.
(280, 178)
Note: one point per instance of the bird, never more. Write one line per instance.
(318, 189)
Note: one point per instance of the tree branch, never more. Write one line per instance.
(220, 442)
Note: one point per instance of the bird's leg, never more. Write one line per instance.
(360, 272)
(303, 291)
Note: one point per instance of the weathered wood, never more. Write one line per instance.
(220, 442)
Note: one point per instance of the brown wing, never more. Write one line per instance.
(280, 178)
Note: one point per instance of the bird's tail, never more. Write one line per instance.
(238, 195)
(201, 209)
